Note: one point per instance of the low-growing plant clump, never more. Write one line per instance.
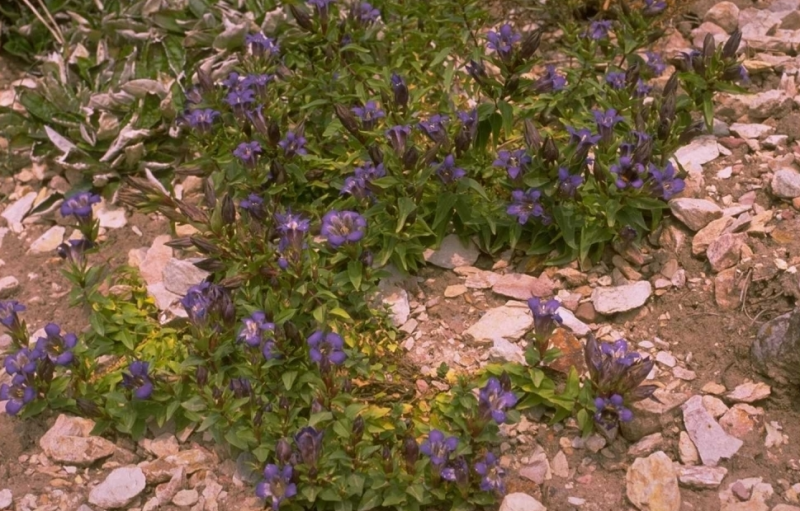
(334, 138)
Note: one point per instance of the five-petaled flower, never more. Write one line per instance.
(248, 152)
(79, 205)
(277, 485)
(367, 14)
(56, 347)
(545, 317)
(18, 394)
(368, 114)
(568, 183)
(293, 228)
(583, 137)
(340, 227)
(138, 380)
(240, 100)
(22, 362)
(550, 81)
(610, 411)
(326, 349)
(9, 310)
(257, 82)
(493, 401)
(201, 119)
(653, 7)
(261, 45)
(605, 123)
(434, 128)
(255, 329)
(206, 301)
(491, 474)
(503, 40)
(397, 136)
(357, 185)
(628, 173)
(309, 443)
(447, 170)
(293, 144)
(438, 448)
(515, 162)
(665, 184)
(599, 29)
(525, 204)
(655, 63)
(254, 205)
(616, 80)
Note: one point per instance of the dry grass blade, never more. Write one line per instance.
(53, 29)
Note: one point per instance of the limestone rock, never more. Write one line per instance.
(725, 15)
(178, 276)
(749, 494)
(687, 452)
(646, 445)
(728, 286)
(8, 286)
(699, 152)
(695, 213)
(521, 502)
(749, 392)
(509, 321)
(786, 184)
(14, 213)
(522, 287)
(161, 446)
(610, 300)
(68, 442)
(709, 233)
(652, 484)
(396, 299)
(6, 499)
(49, 241)
(119, 488)
(158, 255)
(192, 459)
(110, 217)
(453, 253)
(712, 443)
(776, 350)
(737, 422)
(701, 477)
(569, 321)
(506, 351)
(752, 130)
(186, 498)
(724, 252)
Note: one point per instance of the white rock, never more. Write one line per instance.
(49, 241)
(610, 300)
(749, 392)
(8, 286)
(701, 151)
(701, 477)
(396, 299)
(3, 232)
(569, 320)
(509, 321)
(158, 255)
(69, 441)
(725, 173)
(14, 213)
(521, 502)
(453, 253)
(752, 130)
(712, 442)
(666, 358)
(786, 184)
(686, 450)
(110, 217)
(775, 141)
(560, 465)
(506, 351)
(179, 276)
(724, 14)
(766, 104)
(652, 485)
(646, 445)
(695, 213)
(119, 488)
(185, 498)
(6, 498)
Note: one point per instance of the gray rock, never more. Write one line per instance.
(521, 502)
(610, 300)
(6, 499)
(119, 489)
(15, 212)
(712, 442)
(179, 276)
(776, 350)
(569, 321)
(725, 251)
(8, 286)
(49, 241)
(749, 494)
(695, 213)
(69, 442)
(724, 14)
(752, 130)
(506, 351)
(153, 264)
(509, 321)
(161, 446)
(652, 484)
(786, 184)
(701, 477)
(701, 151)
(767, 104)
(453, 253)
(749, 392)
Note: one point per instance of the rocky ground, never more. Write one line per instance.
(709, 295)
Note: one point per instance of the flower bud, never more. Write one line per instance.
(476, 70)
(283, 451)
(530, 44)
(400, 90)
(273, 133)
(549, 151)
(386, 454)
(732, 45)
(671, 86)
(532, 137)
(410, 158)
(201, 376)
(632, 74)
(278, 172)
(283, 403)
(204, 245)
(88, 407)
(367, 259)
(347, 386)
(204, 80)
(209, 194)
(228, 210)
(358, 428)
(410, 453)
(302, 18)
(505, 382)
(375, 154)
(316, 406)
(709, 47)
(347, 119)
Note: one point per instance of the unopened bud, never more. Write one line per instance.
(358, 428)
(532, 137)
(201, 376)
(228, 210)
(302, 18)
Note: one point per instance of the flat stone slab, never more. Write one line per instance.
(712, 442)
(610, 300)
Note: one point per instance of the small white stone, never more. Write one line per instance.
(6, 499)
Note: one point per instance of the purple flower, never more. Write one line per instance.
(665, 184)
(447, 170)
(138, 380)
(18, 394)
(653, 7)
(277, 485)
(206, 302)
(568, 183)
(309, 443)
(293, 144)
(367, 14)
(293, 228)
(400, 90)
(606, 122)
(628, 173)
(437, 448)
(232, 82)
(469, 121)
(515, 162)
(248, 152)
(201, 119)
(261, 45)
(655, 63)
(357, 185)
(254, 329)
(56, 347)
(615, 370)
(457, 472)
(8, 314)
(368, 114)
(80, 206)
(254, 205)
(550, 81)
(493, 401)
(642, 89)
(616, 80)
(240, 100)
(628, 234)
(599, 29)
(257, 82)
(492, 474)
(326, 349)
(583, 137)
(503, 40)
(434, 128)
(397, 136)
(476, 70)
(22, 362)
(611, 411)
(525, 205)
(545, 317)
(340, 227)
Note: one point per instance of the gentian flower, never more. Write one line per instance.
(665, 184)
(397, 136)
(254, 205)
(17, 395)
(438, 448)
(525, 205)
(550, 81)
(400, 90)
(503, 40)
(206, 303)
(254, 329)
(277, 485)
(493, 401)
(22, 362)
(568, 183)
(309, 443)
(434, 128)
(248, 152)
(642, 89)
(368, 114)
(240, 100)
(628, 173)
(201, 119)
(616, 80)
(492, 474)
(457, 472)
(9, 310)
(467, 130)
(326, 349)
(655, 63)
(79, 205)
(515, 162)
(56, 347)
(293, 144)
(367, 14)
(321, 6)
(653, 7)
(138, 380)
(583, 137)
(615, 370)
(476, 70)
(545, 317)
(628, 234)
(260, 45)
(293, 228)
(447, 170)
(241, 387)
(611, 411)
(340, 227)
(410, 453)
(606, 122)
(232, 82)
(599, 29)
(357, 185)
(257, 82)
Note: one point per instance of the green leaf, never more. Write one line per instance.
(288, 379)
(370, 500)
(406, 206)
(708, 109)
(395, 497)
(355, 484)
(417, 491)
(316, 418)
(439, 58)
(444, 209)
(507, 112)
(354, 269)
(195, 404)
